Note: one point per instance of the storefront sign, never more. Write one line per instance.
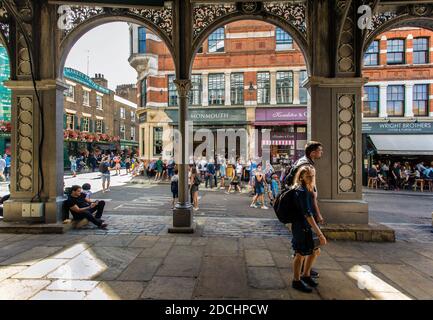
(222, 116)
(281, 114)
(142, 118)
(397, 127)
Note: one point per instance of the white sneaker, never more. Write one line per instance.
(253, 206)
(195, 209)
(265, 208)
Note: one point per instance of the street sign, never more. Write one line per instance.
(112, 3)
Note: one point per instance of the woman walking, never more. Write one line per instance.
(223, 173)
(73, 161)
(305, 243)
(194, 182)
(259, 187)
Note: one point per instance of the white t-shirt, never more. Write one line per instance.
(238, 168)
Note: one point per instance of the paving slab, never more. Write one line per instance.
(30, 257)
(222, 278)
(182, 261)
(269, 294)
(72, 285)
(253, 243)
(172, 288)
(71, 251)
(336, 285)
(144, 242)
(283, 259)
(141, 269)
(40, 269)
(278, 243)
(116, 241)
(265, 278)
(9, 271)
(287, 276)
(59, 295)
(422, 264)
(223, 247)
(259, 258)
(14, 289)
(159, 250)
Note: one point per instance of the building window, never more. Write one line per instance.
(216, 89)
(70, 121)
(216, 41)
(132, 115)
(420, 50)
(85, 124)
(237, 88)
(371, 101)
(420, 99)
(395, 101)
(371, 57)
(303, 92)
(99, 126)
(395, 51)
(285, 87)
(122, 131)
(141, 40)
(144, 93)
(70, 93)
(157, 141)
(132, 133)
(99, 103)
(122, 113)
(263, 88)
(196, 89)
(86, 98)
(172, 91)
(283, 40)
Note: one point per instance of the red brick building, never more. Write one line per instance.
(246, 76)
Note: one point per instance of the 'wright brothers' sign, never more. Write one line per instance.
(397, 127)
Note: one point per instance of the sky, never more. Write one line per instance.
(107, 47)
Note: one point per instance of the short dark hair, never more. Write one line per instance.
(86, 186)
(176, 171)
(312, 146)
(75, 188)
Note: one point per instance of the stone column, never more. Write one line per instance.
(296, 99)
(182, 213)
(383, 112)
(228, 101)
(408, 108)
(205, 86)
(336, 123)
(37, 170)
(273, 76)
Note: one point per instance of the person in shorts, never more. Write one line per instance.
(175, 187)
(259, 188)
(104, 168)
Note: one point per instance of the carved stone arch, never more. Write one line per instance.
(220, 15)
(99, 16)
(345, 37)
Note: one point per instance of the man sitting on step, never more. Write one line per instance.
(82, 208)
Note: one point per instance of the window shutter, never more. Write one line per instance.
(76, 123)
(65, 117)
(81, 124)
(90, 125)
(103, 127)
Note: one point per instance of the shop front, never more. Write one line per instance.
(226, 127)
(288, 133)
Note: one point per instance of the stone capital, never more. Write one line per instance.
(183, 87)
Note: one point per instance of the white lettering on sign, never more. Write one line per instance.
(289, 114)
(221, 115)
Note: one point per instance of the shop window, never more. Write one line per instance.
(284, 87)
(216, 89)
(196, 90)
(420, 50)
(395, 101)
(99, 103)
(283, 40)
(237, 88)
(157, 141)
(371, 101)
(70, 121)
(371, 57)
(303, 92)
(143, 93)
(263, 88)
(86, 98)
(216, 41)
(99, 126)
(141, 40)
(122, 131)
(420, 99)
(172, 91)
(395, 51)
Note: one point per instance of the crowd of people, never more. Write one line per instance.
(5, 168)
(400, 176)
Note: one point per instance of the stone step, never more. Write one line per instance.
(33, 228)
(372, 232)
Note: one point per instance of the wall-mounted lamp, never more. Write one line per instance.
(160, 92)
(251, 88)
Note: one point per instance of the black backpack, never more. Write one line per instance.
(285, 206)
(289, 179)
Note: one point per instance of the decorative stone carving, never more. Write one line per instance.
(249, 7)
(25, 144)
(183, 87)
(4, 22)
(346, 54)
(381, 18)
(72, 18)
(23, 57)
(204, 15)
(421, 10)
(293, 13)
(161, 18)
(346, 143)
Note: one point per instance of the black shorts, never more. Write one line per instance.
(302, 241)
(175, 195)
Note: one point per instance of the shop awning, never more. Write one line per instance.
(411, 144)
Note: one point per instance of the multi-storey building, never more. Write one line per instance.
(398, 99)
(95, 117)
(247, 75)
(5, 103)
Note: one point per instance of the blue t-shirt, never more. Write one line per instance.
(275, 187)
(223, 169)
